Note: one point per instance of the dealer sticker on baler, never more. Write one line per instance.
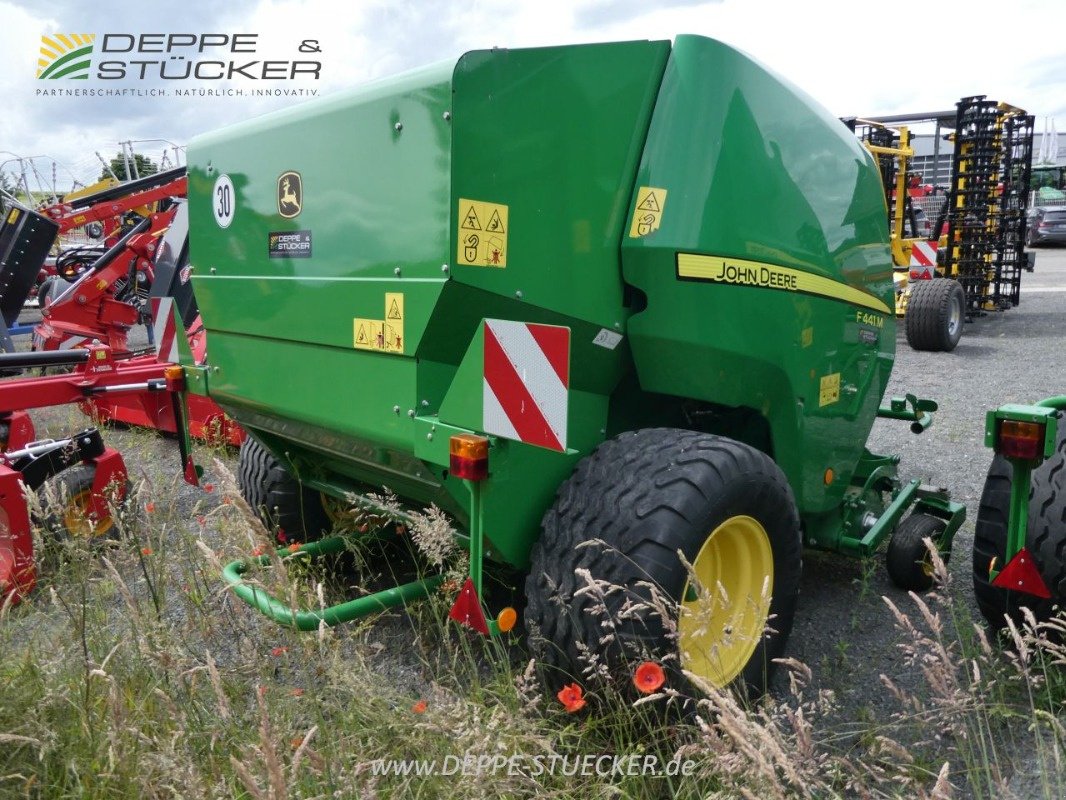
(289, 244)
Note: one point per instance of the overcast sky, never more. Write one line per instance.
(917, 56)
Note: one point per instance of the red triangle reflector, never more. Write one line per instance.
(1021, 575)
(467, 609)
(191, 475)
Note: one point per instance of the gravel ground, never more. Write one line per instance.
(843, 629)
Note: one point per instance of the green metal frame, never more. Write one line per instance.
(310, 619)
(1043, 412)
(877, 475)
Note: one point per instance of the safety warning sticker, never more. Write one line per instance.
(482, 234)
(829, 389)
(383, 335)
(648, 211)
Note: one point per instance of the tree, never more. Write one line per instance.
(145, 166)
(7, 187)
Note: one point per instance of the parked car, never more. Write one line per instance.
(1047, 225)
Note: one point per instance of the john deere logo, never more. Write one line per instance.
(290, 194)
(65, 55)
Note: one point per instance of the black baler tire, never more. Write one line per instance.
(285, 506)
(646, 495)
(907, 558)
(928, 313)
(1045, 536)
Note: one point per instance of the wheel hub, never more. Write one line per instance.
(76, 517)
(727, 603)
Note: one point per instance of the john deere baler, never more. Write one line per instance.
(603, 304)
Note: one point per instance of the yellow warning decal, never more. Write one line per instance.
(14, 215)
(482, 234)
(648, 211)
(737, 271)
(829, 389)
(386, 335)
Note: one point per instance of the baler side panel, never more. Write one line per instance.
(555, 134)
(757, 175)
(374, 169)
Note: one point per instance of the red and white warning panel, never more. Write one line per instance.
(527, 382)
(923, 253)
(164, 331)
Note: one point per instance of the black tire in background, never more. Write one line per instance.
(936, 311)
(623, 515)
(292, 511)
(43, 290)
(1045, 536)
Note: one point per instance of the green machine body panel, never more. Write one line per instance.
(769, 278)
(383, 170)
(509, 186)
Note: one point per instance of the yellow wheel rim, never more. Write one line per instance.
(726, 601)
(337, 510)
(927, 565)
(76, 517)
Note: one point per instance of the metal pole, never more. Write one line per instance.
(107, 165)
(25, 180)
(126, 160)
(936, 156)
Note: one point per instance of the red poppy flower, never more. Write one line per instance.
(146, 551)
(294, 547)
(572, 697)
(202, 520)
(149, 507)
(259, 550)
(277, 651)
(419, 707)
(209, 487)
(649, 677)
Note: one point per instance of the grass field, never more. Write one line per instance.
(132, 672)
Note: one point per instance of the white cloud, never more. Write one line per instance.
(922, 57)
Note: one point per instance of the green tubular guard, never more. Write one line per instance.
(309, 620)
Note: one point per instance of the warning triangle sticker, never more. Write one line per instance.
(394, 311)
(361, 336)
(650, 203)
(470, 221)
(495, 223)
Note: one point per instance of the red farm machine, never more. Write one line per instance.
(141, 277)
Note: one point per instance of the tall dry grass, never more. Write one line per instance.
(132, 672)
